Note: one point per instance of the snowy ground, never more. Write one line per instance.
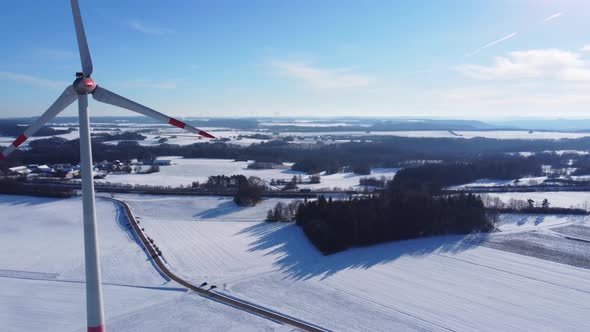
(442, 283)
(42, 275)
(558, 152)
(185, 171)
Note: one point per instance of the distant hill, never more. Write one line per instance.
(375, 124)
(575, 125)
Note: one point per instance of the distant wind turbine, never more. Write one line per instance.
(82, 86)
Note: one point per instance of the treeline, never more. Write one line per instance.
(18, 188)
(123, 136)
(334, 225)
(373, 181)
(434, 177)
(360, 156)
(14, 129)
(495, 206)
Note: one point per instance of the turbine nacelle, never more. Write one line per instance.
(84, 85)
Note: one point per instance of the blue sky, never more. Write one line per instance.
(459, 59)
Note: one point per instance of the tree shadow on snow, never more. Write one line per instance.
(27, 200)
(298, 259)
(220, 210)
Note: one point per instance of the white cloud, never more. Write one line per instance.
(509, 36)
(322, 78)
(32, 80)
(149, 29)
(586, 48)
(497, 41)
(151, 84)
(542, 63)
(490, 100)
(552, 17)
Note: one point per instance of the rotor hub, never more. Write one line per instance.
(84, 85)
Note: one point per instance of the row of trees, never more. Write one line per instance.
(283, 212)
(373, 181)
(433, 177)
(249, 192)
(123, 136)
(495, 205)
(295, 180)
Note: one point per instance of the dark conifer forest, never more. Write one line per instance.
(335, 225)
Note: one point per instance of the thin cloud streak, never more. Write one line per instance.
(552, 17)
(510, 36)
(495, 42)
(32, 80)
(149, 30)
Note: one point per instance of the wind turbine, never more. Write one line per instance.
(80, 89)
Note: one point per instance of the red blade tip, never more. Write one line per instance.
(205, 134)
(99, 328)
(177, 123)
(20, 140)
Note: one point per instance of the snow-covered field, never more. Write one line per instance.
(441, 283)
(42, 275)
(185, 171)
(52, 232)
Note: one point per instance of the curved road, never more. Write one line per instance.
(207, 293)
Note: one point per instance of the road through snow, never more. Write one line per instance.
(42, 276)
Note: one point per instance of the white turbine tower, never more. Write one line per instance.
(82, 86)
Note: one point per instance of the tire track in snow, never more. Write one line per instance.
(511, 273)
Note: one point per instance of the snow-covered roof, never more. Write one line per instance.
(20, 170)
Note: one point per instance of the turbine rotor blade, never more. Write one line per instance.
(105, 96)
(82, 43)
(66, 99)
